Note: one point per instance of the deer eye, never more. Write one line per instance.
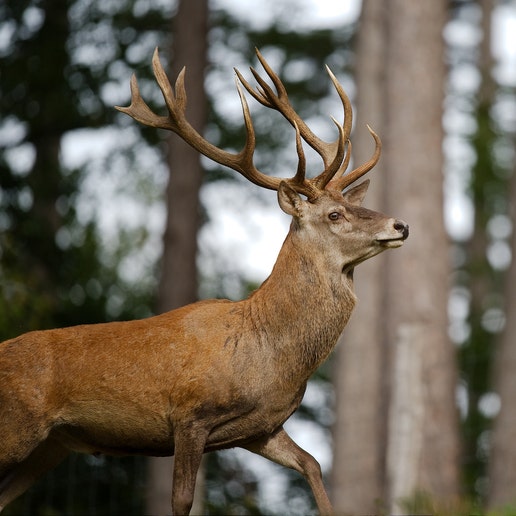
(334, 215)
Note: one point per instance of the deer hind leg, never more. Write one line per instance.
(23, 431)
(16, 479)
(280, 448)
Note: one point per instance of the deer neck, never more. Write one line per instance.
(304, 304)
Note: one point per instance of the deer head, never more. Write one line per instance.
(364, 232)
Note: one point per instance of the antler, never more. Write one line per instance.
(335, 155)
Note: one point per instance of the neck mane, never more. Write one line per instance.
(303, 305)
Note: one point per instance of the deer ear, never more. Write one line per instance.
(289, 200)
(356, 195)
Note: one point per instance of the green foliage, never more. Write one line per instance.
(53, 270)
(488, 190)
(53, 73)
(422, 503)
(478, 275)
(508, 510)
(231, 490)
(86, 485)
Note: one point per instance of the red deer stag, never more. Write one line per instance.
(214, 374)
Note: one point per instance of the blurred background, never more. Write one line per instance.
(102, 219)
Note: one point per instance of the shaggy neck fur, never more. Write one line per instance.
(303, 306)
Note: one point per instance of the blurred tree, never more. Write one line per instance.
(178, 282)
(498, 181)
(502, 461)
(485, 278)
(358, 478)
(480, 278)
(37, 197)
(53, 270)
(423, 440)
(480, 275)
(403, 436)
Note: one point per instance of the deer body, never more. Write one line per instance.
(211, 375)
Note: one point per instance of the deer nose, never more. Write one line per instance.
(402, 227)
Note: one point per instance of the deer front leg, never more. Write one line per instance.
(189, 447)
(280, 448)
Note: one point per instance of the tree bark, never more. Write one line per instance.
(423, 443)
(178, 285)
(396, 428)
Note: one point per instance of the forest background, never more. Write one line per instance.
(101, 219)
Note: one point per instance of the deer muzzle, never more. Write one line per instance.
(395, 236)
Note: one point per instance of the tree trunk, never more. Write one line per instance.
(178, 285)
(423, 444)
(396, 372)
(358, 464)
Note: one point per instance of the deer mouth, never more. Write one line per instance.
(391, 243)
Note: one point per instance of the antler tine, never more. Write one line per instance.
(298, 182)
(257, 95)
(329, 172)
(246, 166)
(175, 100)
(338, 167)
(346, 104)
(139, 110)
(282, 92)
(346, 179)
(345, 163)
(279, 101)
(301, 164)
